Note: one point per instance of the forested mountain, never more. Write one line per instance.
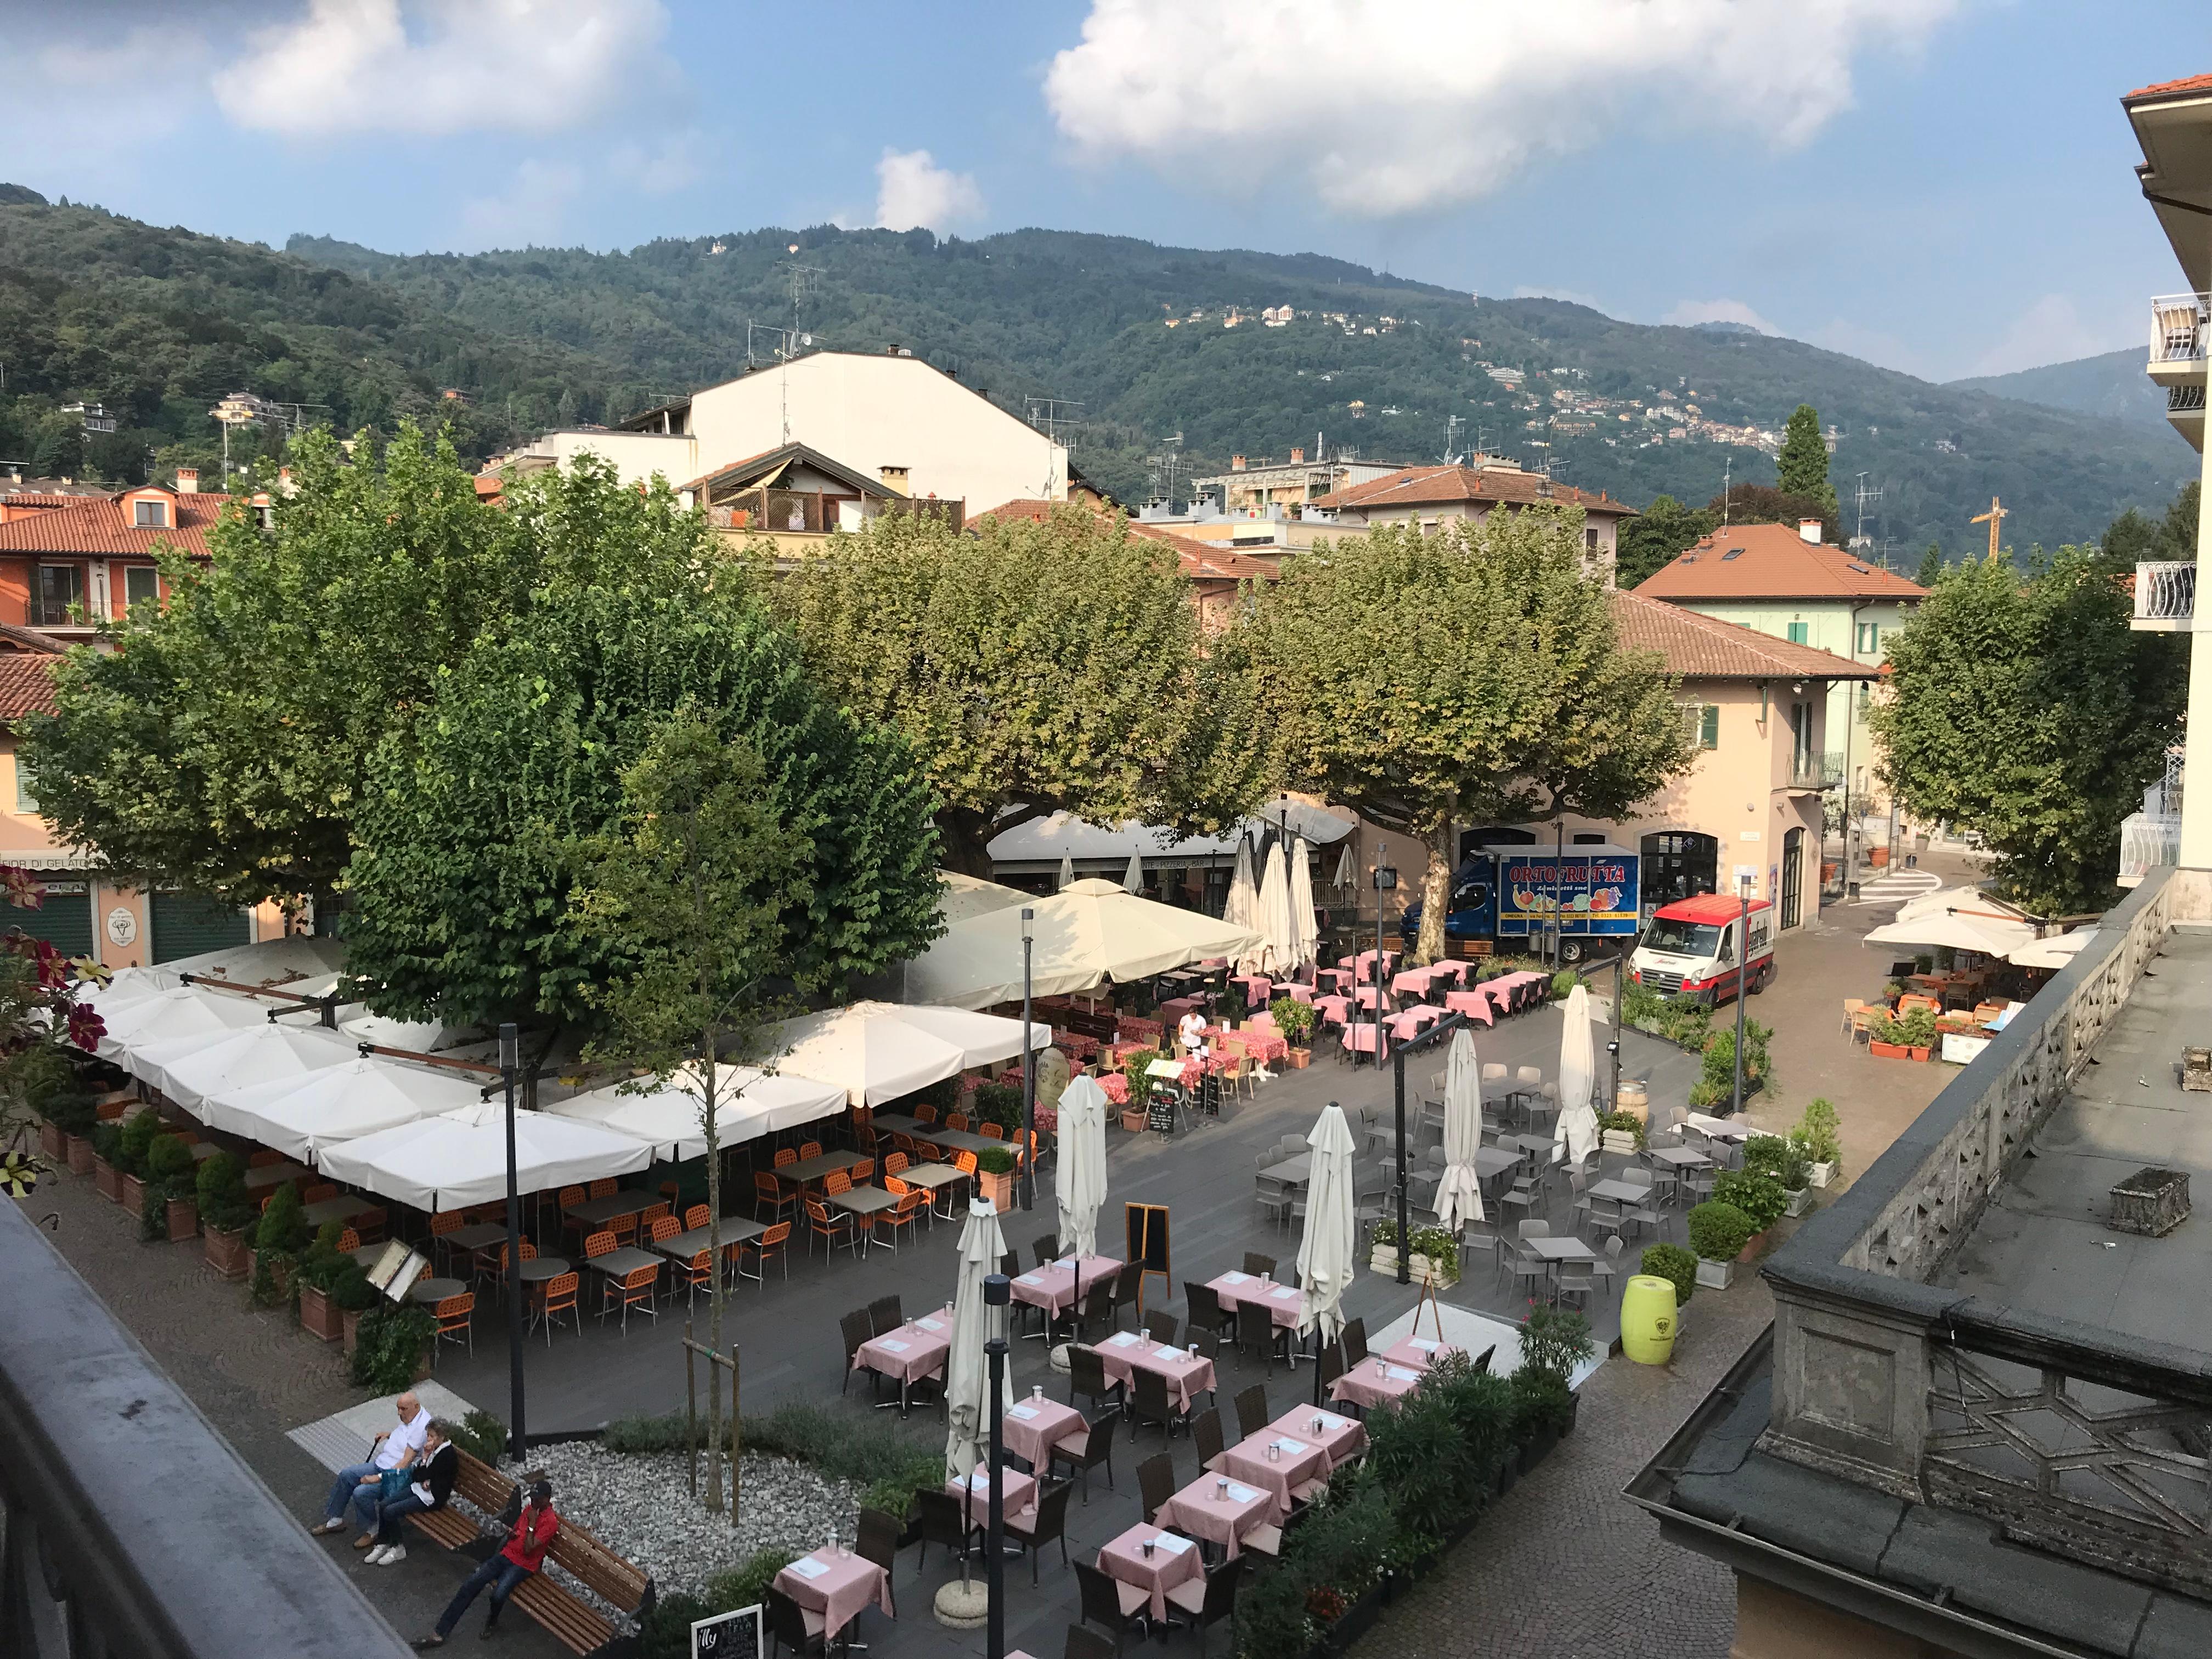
(157, 323)
(2113, 384)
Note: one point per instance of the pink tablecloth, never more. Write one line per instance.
(1034, 1427)
(1336, 1008)
(1293, 990)
(1364, 995)
(1475, 1005)
(1282, 1300)
(916, 1350)
(973, 1494)
(1420, 1352)
(1201, 1510)
(1173, 1561)
(1360, 1038)
(1123, 1352)
(1413, 983)
(836, 1586)
(1256, 988)
(1340, 1437)
(1116, 1087)
(1409, 1023)
(1297, 1460)
(1262, 1046)
(1375, 1381)
(1053, 1286)
(1455, 971)
(1331, 979)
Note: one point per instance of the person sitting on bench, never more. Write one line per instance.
(361, 1486)
(533, 1535)
(432, 1485)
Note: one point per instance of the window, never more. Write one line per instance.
(27, 796)
(1583, 838)
(1703, 723)
(150, 515)
(1866, 696)
(1681, 938)
(1733, 553)
(1798, 631)
(1801, 740)
(59, 597)
(1869, 639)
(1590, 540)
(142, 584)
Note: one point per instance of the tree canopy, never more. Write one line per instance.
(1663, 529)
(1471, 674)
(2025, 710)
(1931, 566)
(1802, 468)
(1033, 668)
(2134, 535)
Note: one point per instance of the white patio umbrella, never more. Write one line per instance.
(748, 1103)
(178, 1012)
(460, 1158)
(1347, 872)
(967, 1369)
(1576, 1133)
(1067, 871)
(1079, 1177)
(273, 962)
(1274, 922)
(877, 1051)
(300, 1116)
(2053, 953)
(1305, 931)
(1459, 1194)
(1989, 933)
(189, 1069)
(1241, 909)
(1325, 1255)
(1133, 879)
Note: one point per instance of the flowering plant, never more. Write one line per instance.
(41, 1020)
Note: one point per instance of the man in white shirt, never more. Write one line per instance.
(361, 1484)
(1190, 1031)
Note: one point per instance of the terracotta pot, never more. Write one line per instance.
(319, 1316)
(183, 1219)
(52, 1142)
(107, 1179)
(133, 1194)
(998, 1189)
(1878, 857)
(1919, 1053)
(80, 1154)
(1752, 1246)
(226, 1252)
(1888, 1050)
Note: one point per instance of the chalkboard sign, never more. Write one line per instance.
(1160, 1111)
(740, 1635)
(1146, 1226)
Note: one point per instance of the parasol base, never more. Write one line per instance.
(1060, 1363)
(964, 1606)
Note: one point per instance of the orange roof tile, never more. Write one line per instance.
(1697, 646)
(26, 684)
(96, 526)
(1424, 486)
(2168, 88)
(1775, 563)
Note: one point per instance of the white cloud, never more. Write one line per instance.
(1392, 106)
(2052, 330)
(533, 209)
(1689, 314)
(439, 67)
(912, 190)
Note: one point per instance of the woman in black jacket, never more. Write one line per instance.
(433, 1486)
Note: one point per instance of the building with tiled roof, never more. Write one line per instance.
(69, 567)
(1431, 495)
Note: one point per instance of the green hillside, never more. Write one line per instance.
(2113, 384)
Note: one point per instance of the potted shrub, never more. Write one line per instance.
(1678, 1266)
(278, 1239)
(315, 1276)
(1295, 1020)
(135, 1143)
(1623, 1131)
(65, 1137)
(1434, 1253)
(1759, 1195)
(225, 1213)
(994, 1177)
(354, 1297)
(1796, 1177)
(1718, 1233)
(1917, 1030)
(1719, 1069)
(1818, 1132)
(1886, 1038)
(1553, 1341)
(171, 1211)
(391, 1346)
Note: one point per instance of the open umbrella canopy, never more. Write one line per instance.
(967, 1369)
(971, 896)
(748, 1103)
(2053, 953)
(1079, 1175)
(273, 962)
(180, 1012)
(300, 1116)
(879, 1051)
(1325, 1263)
(1459, 1194)
(1990, 934)
(1576, 1137)
(1089, 935)
(1305, 927)
(189, 1069)
(460, 1158)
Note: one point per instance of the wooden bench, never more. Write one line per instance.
(476, 1483)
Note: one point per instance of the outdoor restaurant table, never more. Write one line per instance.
(1122, 1353)
(1375, 1381)
(1620, 1192)
(1034, 1426)
(1233, 1288)
(596, 1212)
(1475, 1005)
(681, 1247)
(1291, 1171)
(1406, 1024)
(975, 1493)
(1719, 1128)
(1365, 996)
(1176, 1007)
(540, 1268)
(836, 1585)
(1052, 1286)
(1535, 1145)
(1338, 1008)
(861, 1201)
(1682, 1157)
(621, 1259)
(964, 1141)
(201, 1148)
(1495, 1160)
(1262, 1046)
(1360, 1038)
(274, 1174)
(1173, 1561)
(1331, 978)
(1202, 1510)
(1455, 971)
(900, 1122)
(808, 1171)
(1297, 1460)
(343, 1207)
(429, 1290)
(478, 1235)
(1294, 991)
(914, 1351)
(1568, 1249)
(1419, 1352)
(1338, 1437)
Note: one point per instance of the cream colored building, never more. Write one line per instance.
(1429, 497)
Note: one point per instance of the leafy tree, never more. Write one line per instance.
(1470, 675)
(2133, 536)
(1033, 668)
(2027, 711)
(1931, 566)
(1764, 504)
(690, 882)
(222, 745)
(1663, 530)
(1802, 465)
(462, 884)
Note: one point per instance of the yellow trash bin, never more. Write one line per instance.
(1647, 1319)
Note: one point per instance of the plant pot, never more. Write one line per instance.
(1574, 1410)
(1420, 1270)
(1878, 858)
(1919, 1053)
(1824, 1173)
(1715, 1275)
(1536, 1447)
(319, 1316)
(183, 1219)
(998, 1189)
(1800, 1202)
(131, 1194)
(52, 1142)
(227, 1253)
(1752, 1246)
(280, 1274)
(351, 1320)
(1888, 1050)
(107, 1179)
(80, 1157)
(1300, 1059)
(1635, 1099)
(1619, 1141)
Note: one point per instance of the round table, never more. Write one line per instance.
(431, 1291)
(539, 1268)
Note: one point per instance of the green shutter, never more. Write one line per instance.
(1797, 633)
(1709, 727)
(27, 799)
(189, 924)
(64, 920)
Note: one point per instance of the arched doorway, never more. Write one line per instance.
(1679, 863)
(1793, 877)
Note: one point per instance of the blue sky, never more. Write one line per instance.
(1939, 185)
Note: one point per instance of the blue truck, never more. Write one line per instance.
(1505, 897)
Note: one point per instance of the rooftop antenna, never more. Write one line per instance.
(1164, 466)
(1451, 456)
(1866, 497)
(1728, 472)
(1054, 415)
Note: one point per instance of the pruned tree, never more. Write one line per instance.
(1656, 535)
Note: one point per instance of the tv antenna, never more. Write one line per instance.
(1728, 472)
(1865, 498)
(800, 283)
(765, 343)
(1164, 466)
(1054, 415)
(1451, 456)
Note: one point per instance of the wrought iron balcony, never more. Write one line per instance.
(2180, 332)
(2147, 840)
(2165, 595)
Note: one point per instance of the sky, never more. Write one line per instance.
(1941, 187)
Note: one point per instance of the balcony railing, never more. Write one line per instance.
(2180, 328)
(2166, 590)
(1815, 771)
(2147, 840)
(2184, 400)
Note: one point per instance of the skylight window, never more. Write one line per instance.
(1733, 553)
(1857, 569)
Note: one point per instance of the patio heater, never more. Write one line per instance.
(998, 1290)
(509, 1061)
(1386, 881)
(1028, 1066)
(1742, 979)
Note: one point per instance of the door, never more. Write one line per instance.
(1793, 877)
(190, 924)
(1678, 865)
(64, 920)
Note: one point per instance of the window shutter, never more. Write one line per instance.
(1797, 633)
(1709, 727)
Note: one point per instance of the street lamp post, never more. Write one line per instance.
(1029, 1067)
(1613, 1047)
(997, 1291)
(1742, 979)
(1386, 881)
(509, 1058)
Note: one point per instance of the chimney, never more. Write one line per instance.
(1809, 531)
(1297, 457)
(894, 477)
(1235, 462)
(188, 480)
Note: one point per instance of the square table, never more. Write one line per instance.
(1620, 1191)
(836, 1586)
(1681, 1158)
(274, 1174)
(1125, 1352)
(1203, 1510)
(1340, 1437)
(1052, 1287)
(808, 1171)
(1291, 1171)
(1282, 1464)
(681, 1247)
(470, 1240)
(1034, 1426)
(596, 1212)
(1019, 1492)
(1281, 1301)
(964, 1141)
(1376, 1381)
(914, 1351)
(1473, 1004)
(622, 1261)
(1535, 1145)
(1495, 1161)
(344, 1207)
(1172, 1562)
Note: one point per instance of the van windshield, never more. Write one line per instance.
(1685, 938)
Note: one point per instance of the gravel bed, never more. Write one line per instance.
(639, 1505)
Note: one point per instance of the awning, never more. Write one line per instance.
(180, 1012)
(273, 962)
(191, 1068)
(460, 1158)
(1036, 847)
(749, 1103)
(879, 1051)
(363, 1096)
(2053, 953)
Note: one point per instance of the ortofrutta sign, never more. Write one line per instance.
(1590, 895)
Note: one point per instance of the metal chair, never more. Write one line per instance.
(791, 1625)
(1202, 1307)
(770, 1245)
(556, 1297)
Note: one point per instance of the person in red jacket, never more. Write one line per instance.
(534, 1531)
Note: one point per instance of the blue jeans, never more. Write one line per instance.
(391, 1514)
(502, 1574)
(347, 1484)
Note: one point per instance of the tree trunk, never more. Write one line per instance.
(708, 1079)
(967, 842)
(1436, 896)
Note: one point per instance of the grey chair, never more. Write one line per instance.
(1251, 1411)
(1274, 1198)
(1607, 1268)
(1525, 1266)
(1475, 1241)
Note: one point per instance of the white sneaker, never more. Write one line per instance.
(375, 1557)
(394, 1553)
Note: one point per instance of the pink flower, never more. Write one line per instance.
(20, 888)
(86, 1027)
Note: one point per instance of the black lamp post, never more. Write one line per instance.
(1742, 979)
(1029, 1068)
(998, 1290)
(1386, 881)
(509, 1061)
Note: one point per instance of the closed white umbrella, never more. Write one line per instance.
(363, 1096)
(1459, 1194)
(1133, 879)
(1576, 1133)
(1274, 922)
(1066, 870)
(1305, 930)
(181, 1011)
(191, 1068)
(1347, 872)
(1324, 1264)
(460, 1158)
(748, 1103)
(967, 1369)
(1079, 1177)
(1241, 909)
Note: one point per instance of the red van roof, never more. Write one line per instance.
(1709, 907)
